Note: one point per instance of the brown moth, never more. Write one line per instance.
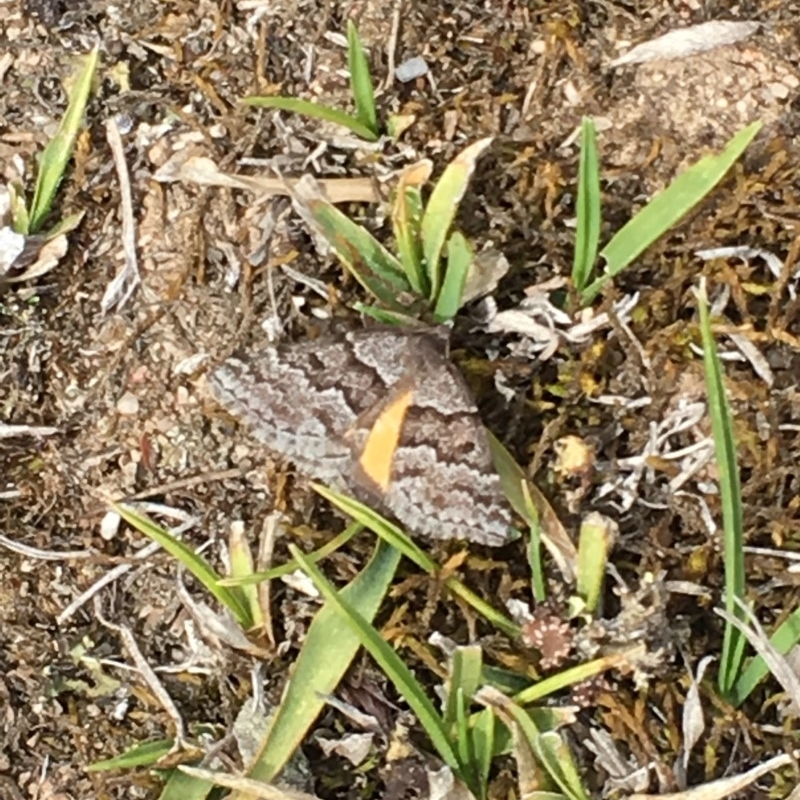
(382, 413)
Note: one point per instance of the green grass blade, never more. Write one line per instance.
(442, 207)
(482, 730)
(242, 566)
(307, 108)
(589, 218)
(180, 786)
(538, 583)
(245, 788)
(783, 640)
(574, 675)
(388, 660)
(18, 211)
(464, 750)
(464, 679)
(466, 670)
(507, 681)
(58, 152)
(459, 259)
(560, 765)
(667, 207)
(402, 319)
(407, 210)
(327, 653)
(731, 496)
(387, 531)
(552, 532)
(512, 478)
(549, 749)
(361, 80)
(65, 225)
(594, 544)
(192, 561)
(367, 260)
(146, 754)
(400, 541)
(291, 566)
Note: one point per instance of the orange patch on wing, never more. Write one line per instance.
(378, 453)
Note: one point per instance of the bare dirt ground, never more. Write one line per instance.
(124, 391)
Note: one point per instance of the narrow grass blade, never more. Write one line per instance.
(402, 319)
(560, 764)
(407, 211)
(466, 669)
(146, 754)
(368, 261)
(442, 207)
(505, 680)
(18, 211)
(192, 561)
(553, 533)
(512, 478)
(587, 234)
(459, 259)
(390, 533)
(406, 216)
(549, 749)
(65, 225)
(328, 650)
(400, 541)
(361, 81)
(578, 674)
(731, 495)
(180, 786)
(538, 584)
(594, 544)
(388, 660)
(667, 207)
(783, 640)
(58, 152)
(482, 729)
(291, 566)
(307, 108)
(549, 718)
(531, 776)
(241, 558)
(463, 742)
(246, 788)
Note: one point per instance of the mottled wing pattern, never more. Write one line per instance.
(288, 397)
(443, 482)
(382, 412)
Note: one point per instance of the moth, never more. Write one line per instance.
(381, 413)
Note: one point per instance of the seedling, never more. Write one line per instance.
(27, 219)
(652, 222)
(429, 273)
(364, 122)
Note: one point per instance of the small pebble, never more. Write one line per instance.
(409, 70)
(128, 404)
(109, 526)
